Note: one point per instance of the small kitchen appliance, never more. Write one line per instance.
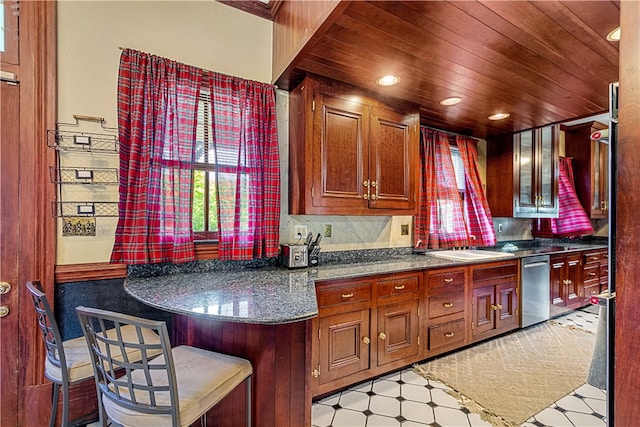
(293, 255)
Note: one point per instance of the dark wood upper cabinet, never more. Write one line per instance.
(350, 154)
(590, 167)
(522, 174)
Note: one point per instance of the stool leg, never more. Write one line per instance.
(65, 404)
(248, 386)
(54, 405)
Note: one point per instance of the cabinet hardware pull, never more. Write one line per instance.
(366, 340)
(499, 306)
(495, 307)
(4, 310)
(448, 280)
(448, 304)
(449, 334)
(315, 373)
(592, 274)
(5, 287)
(347, 295)
(382, 336)
(398, 287)
(374, 196)
(367, 196)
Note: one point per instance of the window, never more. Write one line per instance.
(9, 15)
(446, 207)
(215, 177)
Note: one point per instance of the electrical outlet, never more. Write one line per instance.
(327, 230)
(499, 227)
(300, 231)
(404, 229)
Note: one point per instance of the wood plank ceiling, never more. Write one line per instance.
(540, 61)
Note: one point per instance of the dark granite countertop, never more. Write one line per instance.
(274, 295)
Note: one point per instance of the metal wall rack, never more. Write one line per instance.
(75, 147)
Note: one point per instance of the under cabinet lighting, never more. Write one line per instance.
(451, 101)
(499, 116)
(614, 35)
(389, 80)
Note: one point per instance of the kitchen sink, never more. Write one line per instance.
(470, 255)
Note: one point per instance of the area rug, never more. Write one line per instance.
(510, 379)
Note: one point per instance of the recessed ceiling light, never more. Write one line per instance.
(451, 101)
(388, 80)
(614, 35)
(499, 116)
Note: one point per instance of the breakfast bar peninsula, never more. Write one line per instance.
(261, 315)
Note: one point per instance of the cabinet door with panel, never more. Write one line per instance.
(393, 151)
(565, 283)
(344, 345)
(494, 299)
(397, 308)
(340, 153)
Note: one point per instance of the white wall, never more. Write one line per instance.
(205, 34)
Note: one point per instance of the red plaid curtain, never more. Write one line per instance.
(248, 167)
(440, 220)
(479, 219)
(572, 219)
(157, 106)
(157, 118)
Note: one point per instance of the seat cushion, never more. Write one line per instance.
(203, 378)
(76, 353)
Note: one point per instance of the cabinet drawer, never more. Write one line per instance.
(591, 290)
(446, 334)
(444, 304)
(594, 257)
(496, 273)
(591, 272)
(398, 286)
(347, 294)
(450, 281)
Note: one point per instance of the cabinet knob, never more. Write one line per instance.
(382, 336)
(315, 373)
(5, 287)
(4, 310)
(366, 340)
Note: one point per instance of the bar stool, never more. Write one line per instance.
(68, 362)
(173, 389)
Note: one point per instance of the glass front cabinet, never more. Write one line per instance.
(522, 174)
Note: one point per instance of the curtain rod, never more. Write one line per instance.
(452, 133)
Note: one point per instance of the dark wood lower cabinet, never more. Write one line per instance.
(566, 283)
(365, 327)
(398, 331)
(494, 299)
(344, 343)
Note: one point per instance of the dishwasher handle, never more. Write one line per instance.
(535, 264)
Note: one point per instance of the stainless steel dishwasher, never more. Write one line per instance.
(535, 289)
